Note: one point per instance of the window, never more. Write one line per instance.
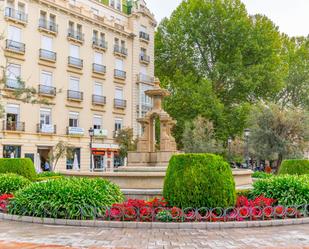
(21, 7)
(71, 26)
(119, 64)
(98, 58)
(143, 29)
(73, 119)
(43, 15)
(102, 36)
(47, 43)
(145, 100)
(79, 29)
(45, 117)
(12, 117)
(52, 18)
(74, 84)
(98, 89)
(95, 34)
(95, 11)
(74, 51)
(118, 124)
(116, 41)
(143, 51)
(123, 44)
(112, 3)
(14, 33)
(74, 161)
(11, 151)
(46, 78)
(13, 72)
(97, 122)
(143, 70)
(119, 93)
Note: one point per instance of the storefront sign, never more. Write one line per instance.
(47, 128)
(76, 131)
(106, 146)
(100, 133)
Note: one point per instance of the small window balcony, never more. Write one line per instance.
(47, 91)
(145, 59)
(16, 15)
(144, 36)
(46, 129)
(75, 35)
(99, 69)
(120, 103)
(47, 55)
(99, 44)
(13, 84)
(75, 131)
(75, 95)
(119, 50)
(14, 46)
(75, 62)
(143, 78)
(13, 126)
(98, 100)
(48, 26)
(119, 74)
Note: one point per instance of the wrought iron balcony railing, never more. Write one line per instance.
(77, 35)
(98, 100)
(120, 74)
(75, 95)
(47, 55)
(48, 25)
(47, 90)
(100, 43)
(15, 46)
(13, 126)
(143, 78)
(121, 50)
(13, 84)
(75, 62)
(144, 36)
(120, 103)
(97, 68)
(16, 14)
(144, 58)
(46, 129)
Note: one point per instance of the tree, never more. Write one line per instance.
(217, 60)
(126, 141)
(199, 137)
(278, 133)
(61, 150)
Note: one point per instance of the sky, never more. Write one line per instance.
(292, 16)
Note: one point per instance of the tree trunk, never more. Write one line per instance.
(279, 161)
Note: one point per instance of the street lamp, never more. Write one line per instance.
(247, 135)
(229, 142)
(91, 134)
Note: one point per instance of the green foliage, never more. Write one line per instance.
(71, 198)
(10, 183)
(61, 150)
(126, 141)
(247, 193)
(287, 189)
(20, 166)
(199, 137)
(48, 175)
(199, 180)
(294, 167)
(261, 175)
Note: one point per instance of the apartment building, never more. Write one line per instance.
(90, 63)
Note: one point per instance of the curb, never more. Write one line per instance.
(155, 225)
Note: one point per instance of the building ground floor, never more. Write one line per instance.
(101, 155)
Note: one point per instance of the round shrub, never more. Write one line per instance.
(20, 166)
(10, 183)
(294, 167)
(71, 198)
(286, 189)
(199, 180)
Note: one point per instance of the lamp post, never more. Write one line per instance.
(91, 134)
(229, 142)
(247, 135)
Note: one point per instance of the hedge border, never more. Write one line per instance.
(154, 225)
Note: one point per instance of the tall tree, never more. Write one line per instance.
(217, 60)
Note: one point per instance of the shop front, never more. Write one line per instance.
(104, 156)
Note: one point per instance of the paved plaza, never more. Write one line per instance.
(15, 235)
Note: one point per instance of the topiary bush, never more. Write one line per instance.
(286, 189)
(71, 198)
(261, 175)
(10, 183)
(199, 180)
(294, 167)
(20, 166)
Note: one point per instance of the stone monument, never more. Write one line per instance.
(149, 153)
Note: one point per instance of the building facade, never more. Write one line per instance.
(89, 62)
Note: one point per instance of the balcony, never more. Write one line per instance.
(121, 51)
(144, 36)
(144, 58)
(98, 100)
(75, 95)
(143, 78)
(76, 36)
(47, 55)
(46, 129)
(144, 108)
(120, 103)
(47, 91)
(14, 46)
(75, 62)
(13, 126)
(119, 74)
(16, 15)
(13, 84)
(48, 26)
(75, 131)
(97, 68)
(99, 44)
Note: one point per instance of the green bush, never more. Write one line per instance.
(294, 167)
(48, 174)
(246, 192)
(199, 180)
(10, 183)
(19, 166)
(261, 175)
(287, 189)
(71, 198)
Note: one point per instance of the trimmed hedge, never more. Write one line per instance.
(286, 189)
(261, 175)
(71, 198)
(10, 183)
(294, 167)
(19, 166)
(199, 180)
